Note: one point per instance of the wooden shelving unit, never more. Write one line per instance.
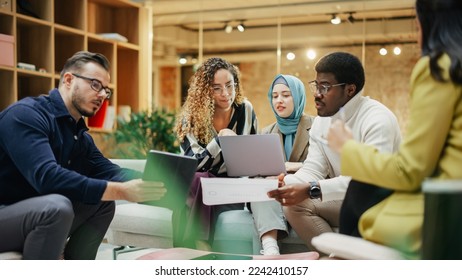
(50, 31)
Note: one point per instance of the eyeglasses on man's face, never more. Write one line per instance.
(96, 85)
(218, 90)
(321, 89)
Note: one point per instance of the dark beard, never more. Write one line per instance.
(85, 113)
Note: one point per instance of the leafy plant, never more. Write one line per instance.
(143, 132)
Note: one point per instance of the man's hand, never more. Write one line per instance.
(135, 190)
(290, 194)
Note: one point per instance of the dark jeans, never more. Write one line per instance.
(48, 226)
(358, 199)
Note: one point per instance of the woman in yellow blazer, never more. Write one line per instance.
(433, 143)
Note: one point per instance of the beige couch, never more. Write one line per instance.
(137, 226)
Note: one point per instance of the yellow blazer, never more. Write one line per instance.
(432, 147)
(302, 137)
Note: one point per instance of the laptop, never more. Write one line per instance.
(176, 171)
(255, 155)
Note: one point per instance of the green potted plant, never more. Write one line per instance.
(145, 131)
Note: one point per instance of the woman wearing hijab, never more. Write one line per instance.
(287, 99)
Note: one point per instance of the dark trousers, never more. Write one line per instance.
(358, 199)
(88, 229)
(46, 227)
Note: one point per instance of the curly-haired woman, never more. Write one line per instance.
(215, 106)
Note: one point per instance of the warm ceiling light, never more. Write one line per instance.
(397, 50)
(228, 28)
(383, 51)
(335, 19)
(182, 60)
(290, 56)
(311, 54)
(241, 27)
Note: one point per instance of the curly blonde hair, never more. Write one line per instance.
(196, 116)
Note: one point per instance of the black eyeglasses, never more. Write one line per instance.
(322, 89)
(96, 85)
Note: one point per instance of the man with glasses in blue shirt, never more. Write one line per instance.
(57, 190)
(313, 196)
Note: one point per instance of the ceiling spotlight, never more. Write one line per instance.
(335, 19)
(241, 27)
(311, 54)
(383, 51)
(397, 50)
(290, 56)
(182, 60)
(228, 28)
(350, 18)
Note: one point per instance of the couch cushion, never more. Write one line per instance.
(142, 219)
(135, 164)
(353, 248)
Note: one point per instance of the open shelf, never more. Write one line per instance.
(129, 58)
(66, 44)
(105, 18)
(48, 32)
(35, 9)
(7, 94)
(32, 85)
(69, 13)
(34, 44)
(6, 24)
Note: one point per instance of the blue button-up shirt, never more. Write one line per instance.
(44, 150)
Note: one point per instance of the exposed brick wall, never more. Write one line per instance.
(387, 79)
(168, 87)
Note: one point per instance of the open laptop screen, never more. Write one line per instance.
(253, 155)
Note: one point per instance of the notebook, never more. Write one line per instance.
(176, 171)
(253, 155)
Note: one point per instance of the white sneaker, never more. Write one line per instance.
(270, 251)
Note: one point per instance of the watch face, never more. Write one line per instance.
(315, 192)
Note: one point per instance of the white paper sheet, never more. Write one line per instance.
(217, 191)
